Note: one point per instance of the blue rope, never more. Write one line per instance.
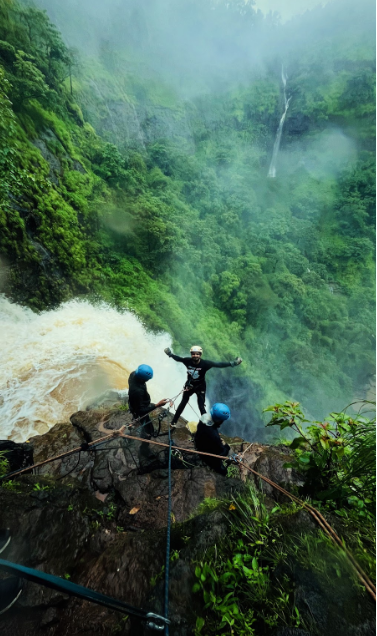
(167, 560)
(56, 583)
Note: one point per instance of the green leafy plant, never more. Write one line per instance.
(4, 463)
(40, 487)
(13, 486)
(154, 579)
(110, 515)
(233, 471)
(235, 579)
(337, 457)
(95, 525)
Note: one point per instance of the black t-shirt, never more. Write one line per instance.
(196, 372)
(138, 397)
(208, 440)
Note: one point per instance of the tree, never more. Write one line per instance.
(28, 81)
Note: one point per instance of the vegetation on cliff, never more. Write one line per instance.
(178, 220)
(250, 581)
(244, 561)
(134, 171)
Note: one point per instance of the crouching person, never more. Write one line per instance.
(207, 438)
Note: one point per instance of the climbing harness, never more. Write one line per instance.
(187, 388)
(161, 416)
(154, 621)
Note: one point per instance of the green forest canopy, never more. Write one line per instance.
(144, 183)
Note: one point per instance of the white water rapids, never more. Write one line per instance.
(275, 152)
(57, 362)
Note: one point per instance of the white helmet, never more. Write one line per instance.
(196, 349)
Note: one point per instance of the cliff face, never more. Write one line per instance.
(99, 518)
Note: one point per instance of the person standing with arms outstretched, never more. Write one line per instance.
(196, 371)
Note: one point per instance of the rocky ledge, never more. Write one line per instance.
(99, 519)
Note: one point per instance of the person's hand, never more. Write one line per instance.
(162, 402)
(236, 362)
(168, 351)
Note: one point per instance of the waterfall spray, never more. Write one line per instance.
(275, 152)
(57, 362)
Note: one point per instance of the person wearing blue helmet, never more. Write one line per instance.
(138, 397)
(208, 440)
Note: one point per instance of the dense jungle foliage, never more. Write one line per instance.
(138, 175)
(249, 583)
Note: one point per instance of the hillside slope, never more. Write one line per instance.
(124, 184)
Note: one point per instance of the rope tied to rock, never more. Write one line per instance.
(364, 579)
(319, 518)
(85, 446)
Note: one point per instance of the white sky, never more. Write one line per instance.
(287, 8)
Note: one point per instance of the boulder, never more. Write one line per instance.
(271, 463)
(99, 517)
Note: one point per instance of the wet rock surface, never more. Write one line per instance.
(272, 464)
(98, 518)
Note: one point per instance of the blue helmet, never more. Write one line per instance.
(220, 412)
(144, 372)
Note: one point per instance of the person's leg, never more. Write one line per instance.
(201, 395)
(185, 398)
(216, 465)
(146, 451)
(148, 428)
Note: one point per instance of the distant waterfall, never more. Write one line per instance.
(272, 168)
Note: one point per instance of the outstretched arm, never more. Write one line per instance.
(169, 353)
(222, 365)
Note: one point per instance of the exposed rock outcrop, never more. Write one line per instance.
(99, 518)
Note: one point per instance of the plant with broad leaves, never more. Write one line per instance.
(337, 456)
(235, 579)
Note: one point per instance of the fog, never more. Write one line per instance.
(215, 40)
(287, 8)
(167, 62)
